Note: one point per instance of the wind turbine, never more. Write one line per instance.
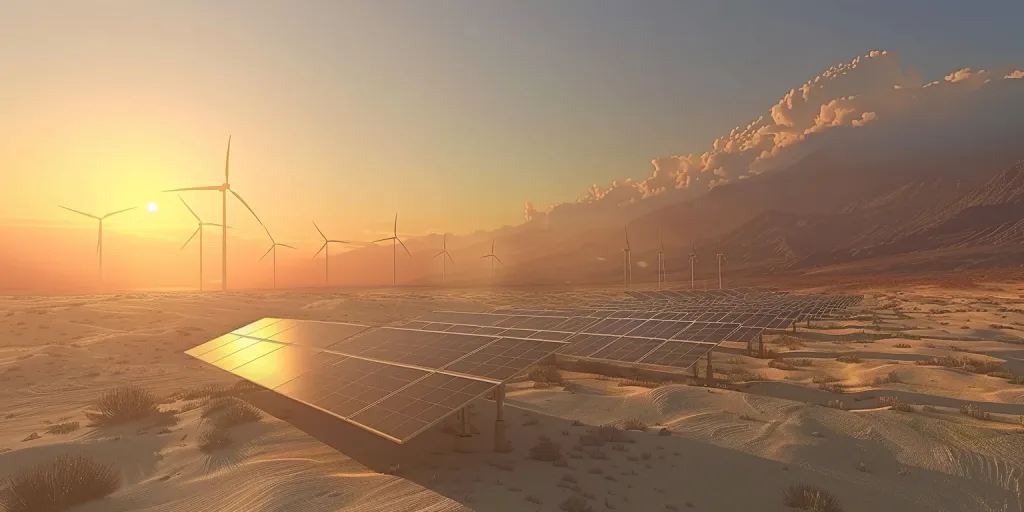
(444, 254)
(693, 259)
(493, 257)
(720, 257)
(394, 251)
(326, 251)
(99, 243)
(224, 188)
(273, 249)
(627, 267)
(199, 230)
(662, 278)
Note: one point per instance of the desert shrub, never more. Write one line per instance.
(1017, 379)
(62, 483)
(533, 499)
(781, 364)
(964, 363)
(572, 387)
(904, 407)
(975, 411)
(810, 498)
(546, 450)
(541, 385)
(849, 358)
(801, 362)
(213, 438)
(237, 413)
(902, 345)
(745, 375)
(577, 423)
(610, 434)
(664, 432)
(207, 391)
(825, 379)
(788, 341)
(121, 405)
(930, 408)
(63, 428)
(546, 373)
(836, 404)
(576, 503)
(634, 424)
(639, 383)
(832, 387)
(888, 401)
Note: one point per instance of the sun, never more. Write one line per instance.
(151, 207)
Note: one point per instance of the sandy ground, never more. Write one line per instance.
(729, 449)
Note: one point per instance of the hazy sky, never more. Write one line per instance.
(452, 113)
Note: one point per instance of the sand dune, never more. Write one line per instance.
(57, 354)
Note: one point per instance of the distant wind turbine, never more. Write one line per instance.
(394, 251)
(493, 257)
(444, 254)
(662, 278)
(273, 249)
(224, 188)
(327, 253)
(693, 259)
(720, 257)
(199, 230)
(627, 267)
(99, 242)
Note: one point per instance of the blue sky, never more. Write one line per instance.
(429, 108)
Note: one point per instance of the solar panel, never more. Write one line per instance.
(419, 348)
(316, 334)
(678, 354)
(504, 358)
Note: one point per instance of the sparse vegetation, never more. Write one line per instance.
(122, 405)
(836, 404)
(902, 345)
(213, 438)
(634, 424)
(546, 373)
(639, 383)
(572, 387)
(576, 503)
(61, 483)
(964, 363)
(832, 387)
(975, 411)
(810, 498)
(849, 359)
(745, 375)
(825, 379)
(930, 408)
(66, 427)
(546, 450)
(237, 413)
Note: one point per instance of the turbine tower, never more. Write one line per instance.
(273, 248)
(444, 254)
(720, 257)
(99, 243)
(493, 257)
(662, 278)
(224, 188)
(627, 267)
(199, 231)
(327, 253)
(394, 251)
(693, 259)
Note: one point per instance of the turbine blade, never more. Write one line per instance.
(396, 225)
(436, 255)
(119, 211)
(286, 245)
(250, 211)
(449, 257)
(340, 241)
(80, 213)
(403, 246)
(227, 161)
(268, 252)
(190, 209)
(318, 231)
(212, 187)
(194, 233)
(383, 239)
(321, 250)
(499, 259)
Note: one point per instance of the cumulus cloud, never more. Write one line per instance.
(867, 89)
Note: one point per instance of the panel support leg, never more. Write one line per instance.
(710, 375)
(499, 419)
(760, 344)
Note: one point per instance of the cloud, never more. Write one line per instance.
(868, 89)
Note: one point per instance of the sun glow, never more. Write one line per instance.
(151, 207)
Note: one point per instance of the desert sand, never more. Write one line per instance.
(734, 446)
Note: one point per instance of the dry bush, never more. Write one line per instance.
(810, 498)
(576, 503)
(888, 401)
(63, 428)
(546, 450)
(832, 387)
(825, 379)
(572, 387)
(213, 438)
(207, 391)
(611, 434)
(123, 404)
(788, 341)
(975, 411)
(238, 413)
(639, 383)
(781, 364)
(836, 404)
(546, 373)
(965, 363)
(930, 408)
(902, 345)
(849, 358)
(1017, 379)
(904, 407)
(215, 405)
(634, 424)
(62, 483)
(745, 375)
(801, 362)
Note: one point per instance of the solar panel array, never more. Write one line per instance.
(394, 382)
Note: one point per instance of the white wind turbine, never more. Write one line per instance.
(199, 231)
(224, 188)
(720, 257)
(444, 254)
(693, 259)
(327, 253)
(662, 277)
(493, 257)
(394, 251)
(627, 267)
(99, 242)
(273, 249)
